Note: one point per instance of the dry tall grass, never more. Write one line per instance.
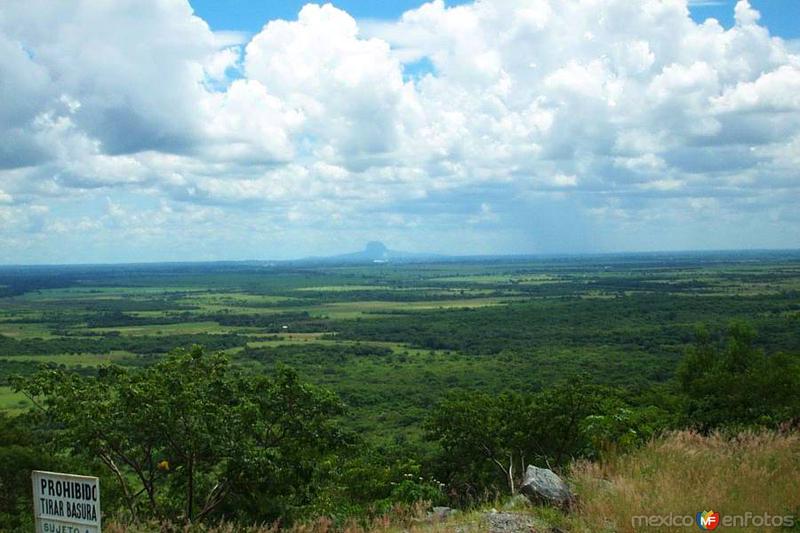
(683, 473)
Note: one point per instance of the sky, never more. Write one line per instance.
(163, 130)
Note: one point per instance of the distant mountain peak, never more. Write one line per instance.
(375, 250)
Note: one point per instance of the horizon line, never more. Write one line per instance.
(431, 257)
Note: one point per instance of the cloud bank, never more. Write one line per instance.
(131, 131)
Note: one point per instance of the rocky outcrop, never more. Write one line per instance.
(542, 485)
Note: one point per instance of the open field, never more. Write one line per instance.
(71, 359)
(12, 402)
(391, 339)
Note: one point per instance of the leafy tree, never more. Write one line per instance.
(477, 437)
(734, 383)
(555, 423)
(484, 436)
(191, 433)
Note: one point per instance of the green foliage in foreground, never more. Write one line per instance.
(191, 435)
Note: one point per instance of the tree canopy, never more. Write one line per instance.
(192, 434)
(728, 381)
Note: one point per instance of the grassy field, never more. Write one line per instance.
(181, 328)
(12, 402)
(70, 359)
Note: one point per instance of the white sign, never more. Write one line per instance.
(64, 503)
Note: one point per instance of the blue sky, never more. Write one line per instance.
(144, 130)
(251, 15)
(782, 17)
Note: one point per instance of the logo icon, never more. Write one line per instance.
(708, 520)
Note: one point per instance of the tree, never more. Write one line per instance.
(477, 435)
(555, 423)
(733, 383)
(191, 432)
(483, 436)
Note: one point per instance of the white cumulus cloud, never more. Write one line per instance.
(523, 111)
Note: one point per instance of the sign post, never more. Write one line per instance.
(65, 503)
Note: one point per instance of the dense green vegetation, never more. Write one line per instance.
(413, 381)
(191, 434)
